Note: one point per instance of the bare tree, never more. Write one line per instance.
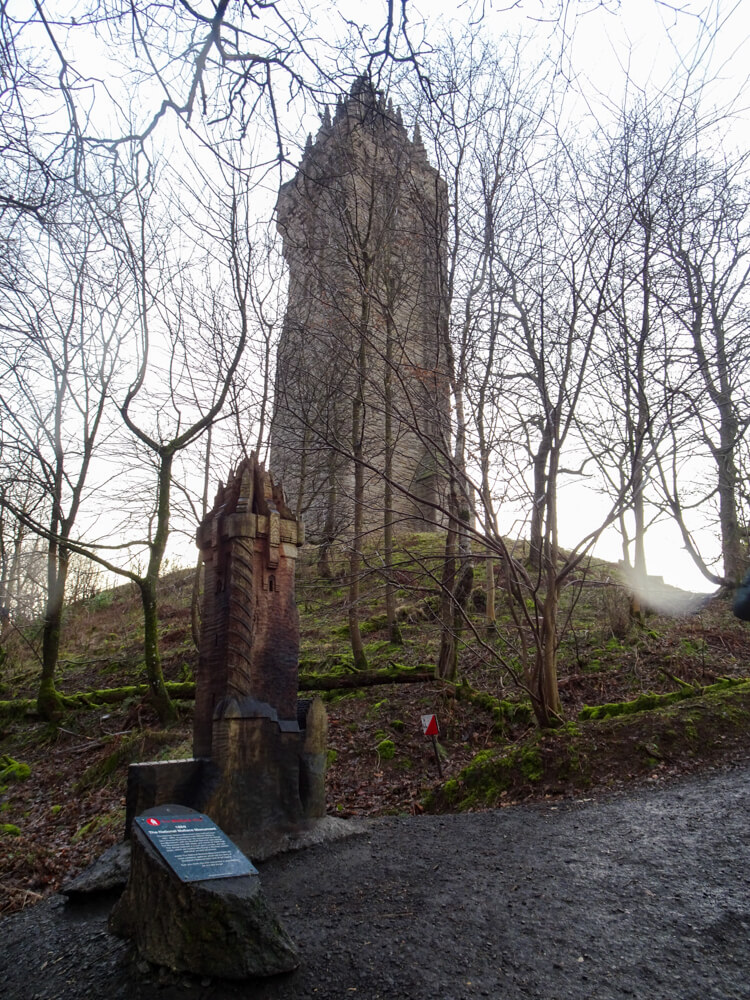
(188, 355)
(22, 563)
(216, 67)
(631, 405)
(475, 129)
(709, 244)
(63, 328)
(530, 266)
(675, 347)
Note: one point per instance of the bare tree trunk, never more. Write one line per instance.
(148, 587)
(639, 432)
(541, 679)
(447, 664)
(11, 563)
(329, 528)
(195, 595)
(358, 433)
(490, 614)
(48, 700)
(545, 695)
(540, 494)
(727, 489)
(388, 513)
(302, 473)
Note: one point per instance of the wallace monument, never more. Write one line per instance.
(362, 367)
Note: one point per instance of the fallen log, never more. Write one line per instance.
(362, 678)
(98, 698)
(185, 690)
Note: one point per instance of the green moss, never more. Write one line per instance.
(55, 810)
(649, 701)
(99, 822)
(386, 749)
(175, 749)
(17, 708)
(491, 773)
(9, 829)
(451, 789)
(357, 694)
(333, 663)
(88, 828)
(96, 698)
(13, 770)
(693, 647)
(483, 757)
(374, 625)
(381, 650)
(579, 755)
(397, 725)
(432, 604)
(530, 762)
(377, 708)
(614, 645)
(49, 703)
(503, 712)
(485, 778)
(409, 614)
(331, 757)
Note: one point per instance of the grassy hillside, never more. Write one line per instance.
(671, 684)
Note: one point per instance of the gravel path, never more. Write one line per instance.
(643, 895)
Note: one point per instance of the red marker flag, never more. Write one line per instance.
(430, 725)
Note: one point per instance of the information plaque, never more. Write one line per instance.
(192, 844)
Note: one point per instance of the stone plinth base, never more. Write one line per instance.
(264, 786)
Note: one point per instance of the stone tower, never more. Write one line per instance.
(361, 367)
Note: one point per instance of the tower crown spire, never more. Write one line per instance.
(364, 89)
